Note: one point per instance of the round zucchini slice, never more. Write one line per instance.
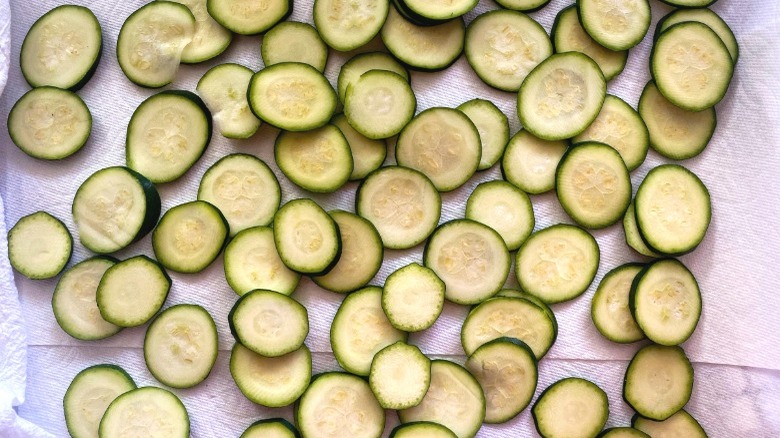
(400, 376)
(504, 208)
(89, 395)
(155, 412)
(39, 246)
(269, 323)
(306, 237)
(616, 26)
(571, 407)
(610, 308)
(132, 291)
(318, 160)
(379, 104)
(658, 382)
(413, 298)
(252, 262)
(530, 162)
(271, 381)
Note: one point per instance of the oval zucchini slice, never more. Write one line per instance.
(616, 26)
(610, 310)
(306, 238)
(426, 48)
(269, 323)
(271, 381)
(132, 291)
(223, 89)
(493, 128)
(249, 17)
(155, 411)
(39, 246)
(345, 25)
(658, 382)
(400, 376)
(530, 162)
(571, 407)
(292, 41)
(504, 208)
(89, 395)
(318, 160)
(252, 262)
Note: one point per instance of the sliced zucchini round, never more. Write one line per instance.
(516, 293)
(152, 40)
(609, 309)
(339, 405)
(620, 126)
(506, 370)
(88, 396)
(249, 17)
(421, 429)
(706, 16)
(558, 263)
(503, 46)
(616, 26)
(509, 317)
(345, 25)
(180, 346)
(691, 66)
(269, 323)
(402, 203)
(292, 96)
(470, 258)
(223, 89)
(493, 128)
(571, 407)
(400, 376)
(633, 237)
(363, 62)
(622, 432)
(252, 262)
(426, 48)
(679, 424)
(74, 301)
(318, 160)
(113, 208)
(361, 254)
(271, 381)
(689, 3)
(674, 132)
(530, 162)
(190, 236)
(440, 10)
(568, 35)
(49, 123)
(39, 246)
(306, 238)
(379, 104)
(292, 41)
(368, 155)
(504, 208)
(666, 302)
(673, 209)
(154, 412)
(167, 134)
(659, 381)
(244, 189)
(454, 400)
(132, 291)
(523, 5)
(442, 143)
(413, 298)
(210, 38)
(593, 185)
(271, 428)
(360, 329)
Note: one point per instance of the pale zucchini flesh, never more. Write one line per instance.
(523, 5)
(440, 9)
(89, 394)
(400, 376)
(269, 323)
(413, 298)
(318, 160)
(271, 381)
(155, 412)
(292, 41)
(39, 246)
(249, 17)
(571, 407)
(252, 262)
(658, 382)
(530, 162)
(223, 89)
(379, 104)
(708, 17)
(610, 308)
(504, 208)
(368, 154)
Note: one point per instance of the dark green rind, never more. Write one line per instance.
(410, 65)
(415, 18)
(507, 5)
(613, 431)
(704, 4)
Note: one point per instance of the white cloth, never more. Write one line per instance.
(735, 349)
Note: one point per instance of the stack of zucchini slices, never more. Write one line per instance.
(576, 139)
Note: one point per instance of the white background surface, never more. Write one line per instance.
(736, 347)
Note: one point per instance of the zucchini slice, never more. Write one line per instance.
(292, 96)
(493, 127)
(633, 237)
(622, 432)
(610, 310)
(516, 293)
(249, 17)
(223, 89)
(318, 160)
(440, 10)
(426, 48)
(689, 3)
(132, 291)
(691, 66)
(368, 155)
(442, 143)
(615, 25)
(269, 323)
(154, 412)
(568, 35)
(421, 429)
(252, 262)
(113, 208)
(339, 405)
(361, 254)
(679, 424)
(402, 203)
(167, 134)
(271, 381)
(706, 16)
(523, 5)
(659, 381)
(413, 298)
(306, 237)
(530, 162)
(673, 209)
(360, 329)
(244, 189)
(292, 41)
(504, 208)
(180, 346)
(470, 258)
(271, 427)
(62, 48)
(39, 246)
(74, 301)
(454, 400)
(666, 302)
(557, 263)
(347, 25)
(363, 62)
(593, 185)
(620, 126)
(562, 96)
(379, 104)
(210, 38)
(88, 396)
(571, 407)
(49, 123)
(400, 376)
(190, 236)
(152, 40)
(503, 46)
(506, 370)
